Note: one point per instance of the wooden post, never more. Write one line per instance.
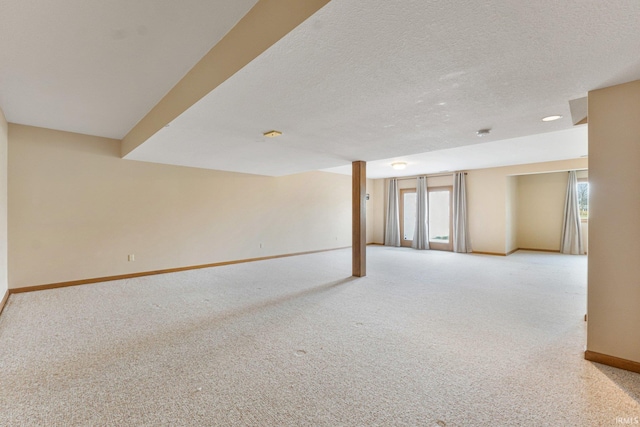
(359, 218)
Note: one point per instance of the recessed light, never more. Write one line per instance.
(551, 118)
(272, 133)
(483, 132)
(398, 165)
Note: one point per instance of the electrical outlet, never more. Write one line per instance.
(132, 257)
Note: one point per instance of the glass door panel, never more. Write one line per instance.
(409, 204)
(440, 224)
(407, 216)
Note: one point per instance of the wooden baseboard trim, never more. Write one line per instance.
(616, 362)
(151, 273)
(488, 253)
(515, 250)
(4, 300)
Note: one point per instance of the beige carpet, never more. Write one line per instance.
(427, 339)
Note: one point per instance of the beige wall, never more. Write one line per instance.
(511, 238)
(541, 199)
(432, 181)
(487, 193)
(4, 129)
(371, 211)
(486, 210)
(377, 221)
(614, 222)
(76, 210)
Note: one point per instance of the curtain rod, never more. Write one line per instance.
(428, 176)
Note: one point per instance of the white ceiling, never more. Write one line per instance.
(357, 81)
(97, 67)
(545, 147)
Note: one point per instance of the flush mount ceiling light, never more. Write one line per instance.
(398, 165)
(483, 132)
(551, 118)
(272, 133)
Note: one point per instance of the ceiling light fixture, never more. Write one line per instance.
(483, 132)
(551, 118)
(398, 165)
(272, 133)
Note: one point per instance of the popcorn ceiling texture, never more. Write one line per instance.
(385, 78)
(426, 339)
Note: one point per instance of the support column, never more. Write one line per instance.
(359, 218)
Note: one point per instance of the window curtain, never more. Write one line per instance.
(571, 242)
(461, 240)
(392, 229)
(421, 234)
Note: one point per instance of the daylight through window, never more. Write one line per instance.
(583, 199)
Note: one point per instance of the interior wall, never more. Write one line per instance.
(486, 210)
(4, 130)
(614, 247)
(541, 199)
(77, 210)
(378, 212)
(371, 213)
(511, 238)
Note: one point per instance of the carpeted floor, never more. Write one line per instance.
(426, 339)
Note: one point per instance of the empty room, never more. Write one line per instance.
(319, 212)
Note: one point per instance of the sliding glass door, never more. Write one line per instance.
(439, 219)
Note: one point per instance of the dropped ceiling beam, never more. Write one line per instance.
(266, 23)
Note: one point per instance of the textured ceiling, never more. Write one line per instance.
(544, 147)
(386, 78)
(97, 67)
(371, 80)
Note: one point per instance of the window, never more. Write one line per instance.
(408, 215)
(583, 199)
(439, 216)
(440, 223)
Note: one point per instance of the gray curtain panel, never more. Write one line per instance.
(461, 240)
(571, 242)
(392, 229)
(421, 234)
